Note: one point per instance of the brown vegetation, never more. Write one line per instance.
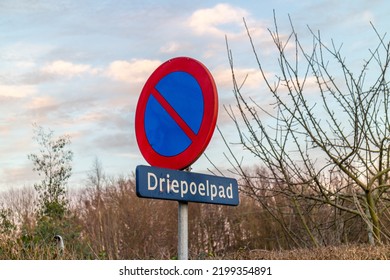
(108, 221)
(342, 252)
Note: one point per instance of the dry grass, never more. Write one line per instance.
(350, 252)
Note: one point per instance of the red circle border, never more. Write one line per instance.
(210, 113)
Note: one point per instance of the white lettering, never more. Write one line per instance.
(168, 183)
(162, 180)
(229, 191)
(174, 186)
(187, 188)
(221, 192)
(201, 189)
(214, 191)
(150, 187)
(183, 188)
(193, 188)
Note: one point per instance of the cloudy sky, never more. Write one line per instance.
(77, 67)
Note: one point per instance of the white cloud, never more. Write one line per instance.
(367, 16)
(68, 69)
(218, 21)
(171, 47)
(25, 64)
(41, 102)
(251, 77)
(17, 91)
(134, 71)
(21, 174)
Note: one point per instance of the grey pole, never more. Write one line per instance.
(183, 231)
(182, 248)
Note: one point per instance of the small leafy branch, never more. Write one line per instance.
(53, 164)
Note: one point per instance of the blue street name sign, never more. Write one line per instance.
(163, 183)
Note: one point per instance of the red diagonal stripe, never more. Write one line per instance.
(176, 117)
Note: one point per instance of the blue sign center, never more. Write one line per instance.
(174, 113)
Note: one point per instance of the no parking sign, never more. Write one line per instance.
(176, 113)
(174, 121)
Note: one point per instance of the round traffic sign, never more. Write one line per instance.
(176, 113)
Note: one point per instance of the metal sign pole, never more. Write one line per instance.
(182, 248)
(183, 231)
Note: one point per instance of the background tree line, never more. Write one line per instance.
(106, 220)
(323, 149)
(111, 222)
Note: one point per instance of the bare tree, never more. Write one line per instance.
(326, 136)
